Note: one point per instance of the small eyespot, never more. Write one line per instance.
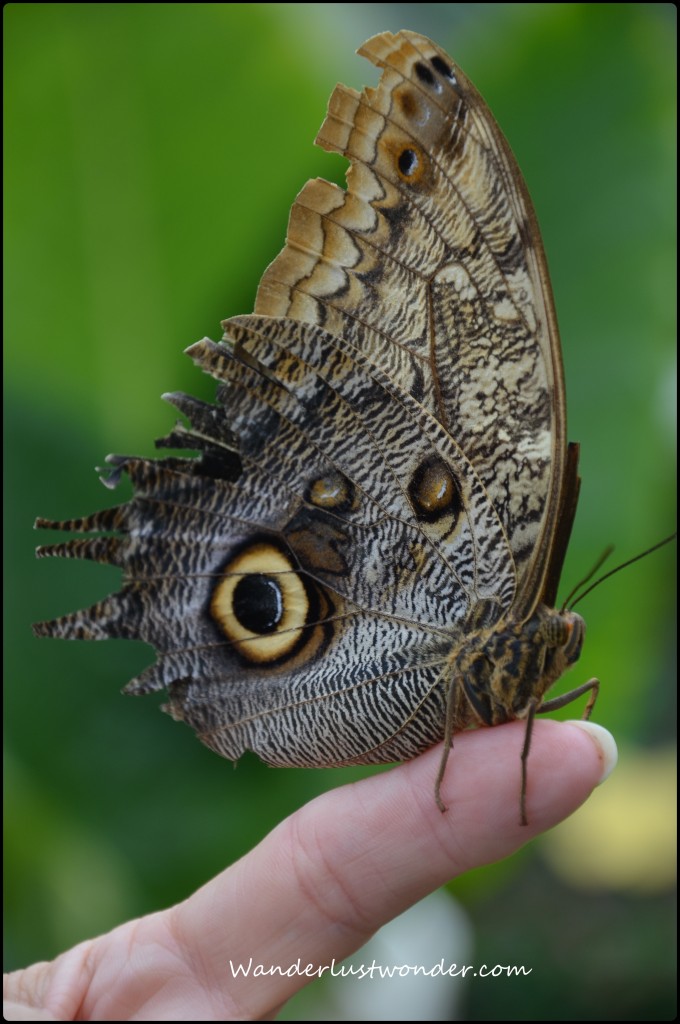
(333, 491)
(424, 73)
(433, 491)
(410, 164)
(443, 68)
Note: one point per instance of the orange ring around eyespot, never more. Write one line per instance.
(267, 560)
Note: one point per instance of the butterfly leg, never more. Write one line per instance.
(531, 714)
(593, 685)
(448, 744)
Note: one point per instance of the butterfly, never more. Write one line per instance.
(363, 556)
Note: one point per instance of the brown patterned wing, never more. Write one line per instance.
(370, 521)
(304, 603)
(431, 262)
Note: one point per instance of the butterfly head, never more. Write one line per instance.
(563, 632)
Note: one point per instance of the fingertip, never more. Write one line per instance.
(603, 741)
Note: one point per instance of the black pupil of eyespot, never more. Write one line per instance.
(258, 603)
(441, 67)
(408, 161)
(424, 73)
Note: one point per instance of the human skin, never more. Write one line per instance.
(321, 883)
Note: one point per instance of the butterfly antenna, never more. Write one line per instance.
(581, 583)
(643, 554)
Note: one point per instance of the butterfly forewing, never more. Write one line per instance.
(435, 248)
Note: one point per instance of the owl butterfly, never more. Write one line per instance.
(364, 556)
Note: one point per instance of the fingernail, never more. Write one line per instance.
(605, 743)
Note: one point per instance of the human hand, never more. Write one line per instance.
(318, 886)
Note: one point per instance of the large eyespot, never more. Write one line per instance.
(261, 603)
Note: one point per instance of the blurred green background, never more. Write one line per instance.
(152, 154)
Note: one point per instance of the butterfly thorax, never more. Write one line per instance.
(502, 670)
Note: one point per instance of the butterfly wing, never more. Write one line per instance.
(384, 459)
(433, 255)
